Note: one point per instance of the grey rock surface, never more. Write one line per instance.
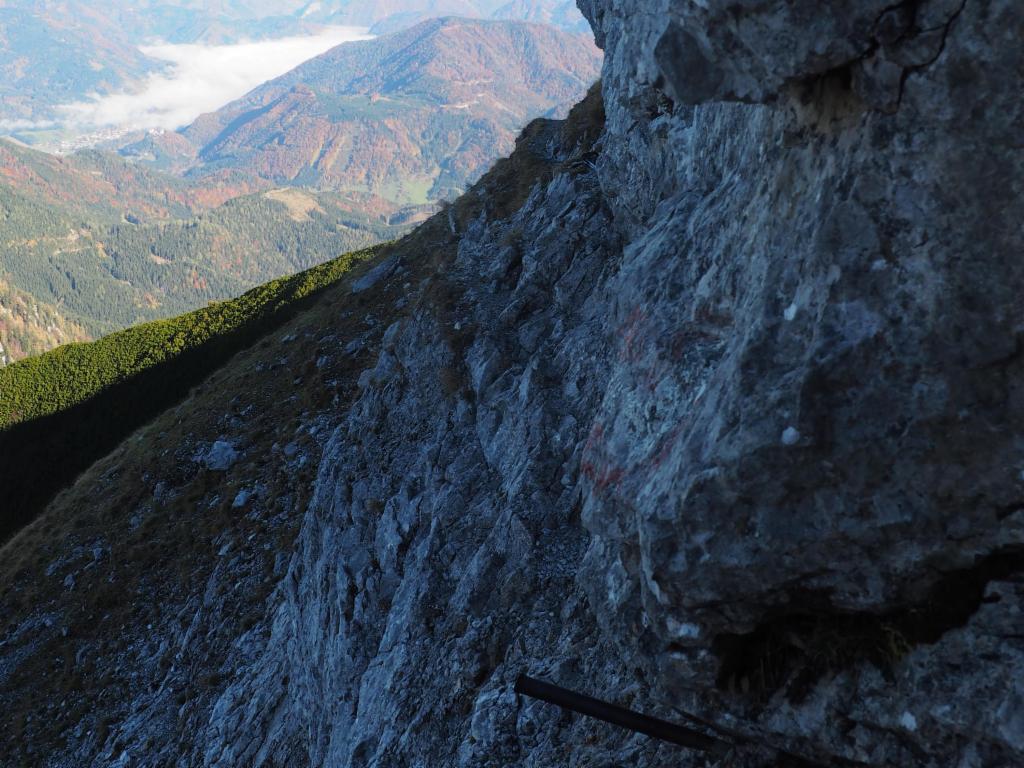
(219, 456)
(767, 354)
(725, 419)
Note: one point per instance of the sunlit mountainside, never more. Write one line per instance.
(411, 117)
(59, 52)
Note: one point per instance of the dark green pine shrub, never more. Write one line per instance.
(65, 409)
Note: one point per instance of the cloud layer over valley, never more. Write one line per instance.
(201, 78)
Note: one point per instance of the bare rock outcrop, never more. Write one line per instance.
(742, 390)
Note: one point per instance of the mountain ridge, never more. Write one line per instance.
(96, 50)
(401, 116)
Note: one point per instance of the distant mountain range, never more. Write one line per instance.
(53, 52)
(350, 149)
(562, 14)
(411, 117)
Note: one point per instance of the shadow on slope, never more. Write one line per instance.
(67, 408)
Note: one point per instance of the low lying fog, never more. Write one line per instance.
(202, 78)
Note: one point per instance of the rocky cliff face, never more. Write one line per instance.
(717, 414)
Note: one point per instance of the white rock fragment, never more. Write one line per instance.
(375, 275)
(220, 456)
(790, 436)
(908, 721)
(790, 313)
(241, 498)
(682, 629)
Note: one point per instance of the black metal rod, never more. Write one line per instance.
(620, 716)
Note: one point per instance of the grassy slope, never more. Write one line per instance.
(66, 408)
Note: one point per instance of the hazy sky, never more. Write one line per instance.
(202, 78)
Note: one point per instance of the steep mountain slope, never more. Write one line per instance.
(716, 414)
(29, 327)
(411, 117)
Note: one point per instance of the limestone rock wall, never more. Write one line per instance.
(740, 430)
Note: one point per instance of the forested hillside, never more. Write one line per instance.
(411, 117)
(92, 244)
(103, 186)
(29, 326)
(115, 275)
